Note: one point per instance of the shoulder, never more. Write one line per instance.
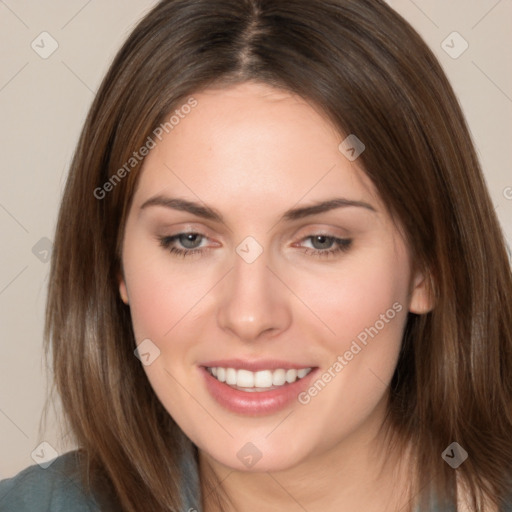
(57, 488)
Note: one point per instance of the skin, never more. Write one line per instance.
(252, 152)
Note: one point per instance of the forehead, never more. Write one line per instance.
(252, 142)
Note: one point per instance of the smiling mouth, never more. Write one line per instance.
(263, 380)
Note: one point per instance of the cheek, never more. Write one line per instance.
(161, 294)
(152, 307)
(162, 299)
(358, 296)
(364, 303)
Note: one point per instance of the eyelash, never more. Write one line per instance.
(342, 245)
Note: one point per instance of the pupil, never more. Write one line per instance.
(190, 240)
(322, 242)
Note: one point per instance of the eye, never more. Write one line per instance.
(190, 240)
(188, 243)
(326, 245)
(322, 242)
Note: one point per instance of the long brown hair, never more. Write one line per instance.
(373, 76)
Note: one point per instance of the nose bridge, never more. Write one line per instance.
(252, 301)
(250, 279)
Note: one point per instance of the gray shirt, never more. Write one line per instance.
(58, 488)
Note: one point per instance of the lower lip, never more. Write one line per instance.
(258, 402)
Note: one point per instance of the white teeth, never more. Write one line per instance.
(221, 374)
(245, 379)
(278, 377)
(262, 380)
(231, 376)
(291, 376)
(302, 372)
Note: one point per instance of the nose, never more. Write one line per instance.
(253, 303)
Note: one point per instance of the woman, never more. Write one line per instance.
(276, 206)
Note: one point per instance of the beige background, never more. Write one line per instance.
(43, 103)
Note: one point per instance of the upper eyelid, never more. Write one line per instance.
(333, 231)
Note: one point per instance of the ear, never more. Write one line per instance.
(422, 294)
(123, 292)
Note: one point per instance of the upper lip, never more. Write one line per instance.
(256, 365)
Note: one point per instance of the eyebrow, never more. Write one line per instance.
(293, 214)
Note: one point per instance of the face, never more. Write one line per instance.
(257, 254)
